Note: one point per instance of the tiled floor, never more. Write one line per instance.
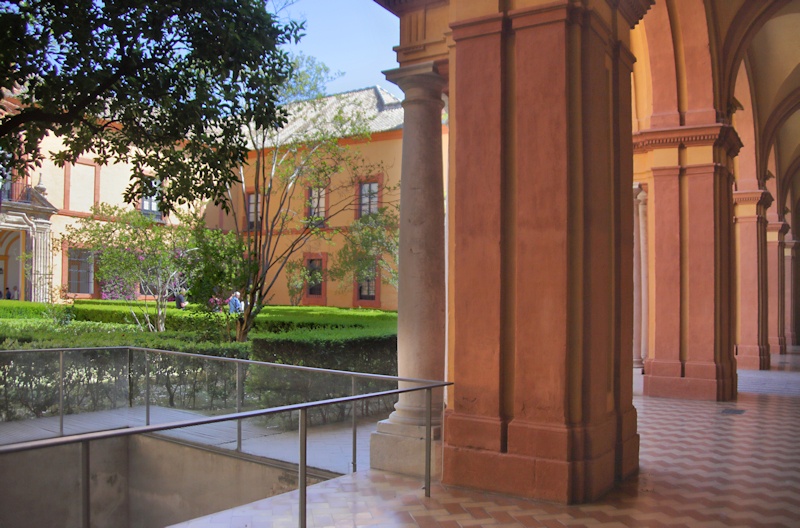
(702, 464)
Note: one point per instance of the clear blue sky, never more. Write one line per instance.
(354, 37)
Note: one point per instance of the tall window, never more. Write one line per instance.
(316, 206)
(367, 289)
(254, 202)
(81, 187)
(367, 199)
(367, 292)
(314, 286)
(150, 204)
(80, 275)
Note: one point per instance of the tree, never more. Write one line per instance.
(298, 278)
(372, 243)
(132, 252)
(302, 177)
(166, 86)
(216, 263)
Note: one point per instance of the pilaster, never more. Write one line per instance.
(789, 252)
(776, 276)
(752, 348)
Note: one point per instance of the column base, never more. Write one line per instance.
(628, 445)
(752, 357)
(541, 461)
(777, 345)
(689, 388)
(401, 449)
(525, 476)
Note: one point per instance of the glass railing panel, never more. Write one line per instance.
(30, 386)
(194, 384)
(95, 380)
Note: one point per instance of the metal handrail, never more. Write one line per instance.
(143, 429)
(232, 360)
(85, 438)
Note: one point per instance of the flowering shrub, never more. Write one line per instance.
(215, 304)
(116, 288)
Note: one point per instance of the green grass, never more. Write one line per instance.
(306, 330)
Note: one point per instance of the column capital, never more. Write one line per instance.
(756, 197)
(639, 193)
(418, 81)
(780, 228)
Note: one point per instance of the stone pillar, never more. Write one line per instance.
(640, 284)
(789, 250)
(421, 294)
(752, 349)
(693, 270)
(542, 254)
(775, 276)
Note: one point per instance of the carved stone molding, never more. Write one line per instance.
(759, 197)
(634, 10)
(722, 136)
(778, 227)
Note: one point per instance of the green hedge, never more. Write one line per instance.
(31, 334)
(324, 337)
(372, 355)
(22, 310)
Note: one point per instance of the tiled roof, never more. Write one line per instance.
(382, 110)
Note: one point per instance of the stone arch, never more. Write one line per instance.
(680, 64)
(791, 174)
(787, 108)
(746, 24)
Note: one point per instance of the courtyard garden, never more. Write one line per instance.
(359, 340)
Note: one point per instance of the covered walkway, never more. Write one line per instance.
(702, 463)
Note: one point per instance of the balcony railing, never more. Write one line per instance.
(65, 383)
(15, 191)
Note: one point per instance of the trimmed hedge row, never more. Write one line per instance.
(22, 310)
(18, 335)
(353, 340)
(371, 355)
(272, 320)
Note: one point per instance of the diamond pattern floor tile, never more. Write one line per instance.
(702, 464)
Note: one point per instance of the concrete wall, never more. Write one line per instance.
(137, 482)
(43, 487)
(171, 482)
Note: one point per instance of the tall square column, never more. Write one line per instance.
(752, 348)
(543, 254)
(789, 263)
(692, 353)
(775, 275)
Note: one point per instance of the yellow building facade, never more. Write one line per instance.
(45, 203)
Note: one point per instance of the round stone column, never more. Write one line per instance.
(638, 284)
(421, 291)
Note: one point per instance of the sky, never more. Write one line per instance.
(354, 37)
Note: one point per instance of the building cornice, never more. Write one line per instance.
(398, 7)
